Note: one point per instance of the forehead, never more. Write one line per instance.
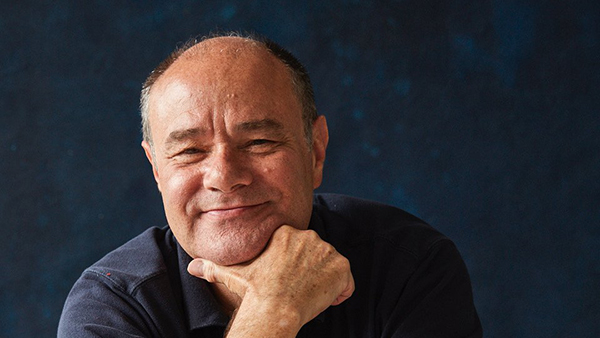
(231, 73)
(228, 64)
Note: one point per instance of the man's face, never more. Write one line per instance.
(230, 155)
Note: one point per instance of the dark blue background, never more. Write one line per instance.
(481, 117)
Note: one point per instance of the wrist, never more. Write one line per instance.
(264, 318)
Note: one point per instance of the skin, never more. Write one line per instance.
(236, 175)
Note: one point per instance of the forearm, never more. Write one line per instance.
(256, 318)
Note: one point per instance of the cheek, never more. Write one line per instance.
(289, 172)
(178, 188)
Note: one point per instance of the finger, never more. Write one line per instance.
(196, 268)
(346, 293)
(230, 276)
(207, 270)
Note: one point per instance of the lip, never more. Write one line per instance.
(231, 211)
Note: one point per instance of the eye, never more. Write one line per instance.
(259, 142)
(260, 146)
(190, 151)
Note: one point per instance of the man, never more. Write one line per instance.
(237, 149)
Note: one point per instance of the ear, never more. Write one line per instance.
(320, 136)
(148, 151)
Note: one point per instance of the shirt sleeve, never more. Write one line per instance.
(437, 300)
(96, 307)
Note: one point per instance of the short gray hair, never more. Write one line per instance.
(300, 80)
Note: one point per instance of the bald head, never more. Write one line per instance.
(227, 46)
(228, 50)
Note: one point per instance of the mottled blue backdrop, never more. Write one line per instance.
(481, 117)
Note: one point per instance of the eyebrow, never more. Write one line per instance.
(267, 124)
(258, 125)
(182, 135)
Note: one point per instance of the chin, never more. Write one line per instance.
(235, 256)
(226, 260)
(235, 248)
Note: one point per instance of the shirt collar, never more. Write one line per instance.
(199, 304)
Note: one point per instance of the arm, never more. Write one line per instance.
(297, 276)
(94, 309)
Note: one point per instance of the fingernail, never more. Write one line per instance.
(196, 268)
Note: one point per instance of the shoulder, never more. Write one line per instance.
(136, 261)
(410, 278)
(118, 295)
(362, 221)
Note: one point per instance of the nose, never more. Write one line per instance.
(225, 171)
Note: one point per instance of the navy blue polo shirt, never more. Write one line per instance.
(410, 282)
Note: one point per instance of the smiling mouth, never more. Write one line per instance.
(227, 212)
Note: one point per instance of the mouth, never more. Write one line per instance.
(232, 211)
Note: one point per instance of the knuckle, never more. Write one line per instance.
(343, 263)
(286, 229)
(209, 272)
(328, 249)
(283, 233)
(346, 264)
(311, 234)
(227, 279)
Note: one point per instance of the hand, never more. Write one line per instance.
(295, 278)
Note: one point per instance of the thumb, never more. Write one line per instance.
(196, 268)
(214, 273)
